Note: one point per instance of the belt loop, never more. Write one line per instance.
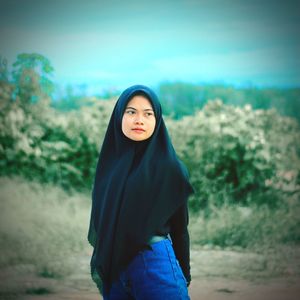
(170, 239)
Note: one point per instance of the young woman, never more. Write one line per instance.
(139, 216)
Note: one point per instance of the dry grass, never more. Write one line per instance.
(41, 225)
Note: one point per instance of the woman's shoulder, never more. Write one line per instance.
(174, 166)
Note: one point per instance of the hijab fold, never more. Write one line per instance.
(137, 188)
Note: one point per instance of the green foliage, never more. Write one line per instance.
(52, 146)
(180, 99)
(31, 77)
(71, 100)
(3, 70)
(238, 155)
(234, 154)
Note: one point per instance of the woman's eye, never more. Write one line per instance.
(149, 114)
(130, 112)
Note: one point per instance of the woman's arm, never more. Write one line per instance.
(181, 239)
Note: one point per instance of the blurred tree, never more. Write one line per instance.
(31, 76)
(6, 88)
(179, 98)
(3, 69)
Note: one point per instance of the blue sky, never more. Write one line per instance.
(113, 44)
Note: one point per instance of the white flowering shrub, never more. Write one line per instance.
(42, 143)
(234, 155)
(238, 155)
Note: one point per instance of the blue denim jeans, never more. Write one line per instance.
(154, 274)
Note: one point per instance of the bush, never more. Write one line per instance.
(234, 155)
(238, 155)
(41, 143)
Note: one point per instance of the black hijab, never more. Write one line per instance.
(137, 188)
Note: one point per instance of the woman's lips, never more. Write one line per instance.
(137, 130)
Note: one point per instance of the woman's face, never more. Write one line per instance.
(138, 122)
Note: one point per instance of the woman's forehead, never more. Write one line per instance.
(140, 101)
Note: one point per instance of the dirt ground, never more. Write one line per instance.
(217, 275)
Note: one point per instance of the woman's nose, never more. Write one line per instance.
(138, 120)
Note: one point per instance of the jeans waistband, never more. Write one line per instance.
(156, 238)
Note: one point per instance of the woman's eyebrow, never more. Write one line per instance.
(147, 109)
